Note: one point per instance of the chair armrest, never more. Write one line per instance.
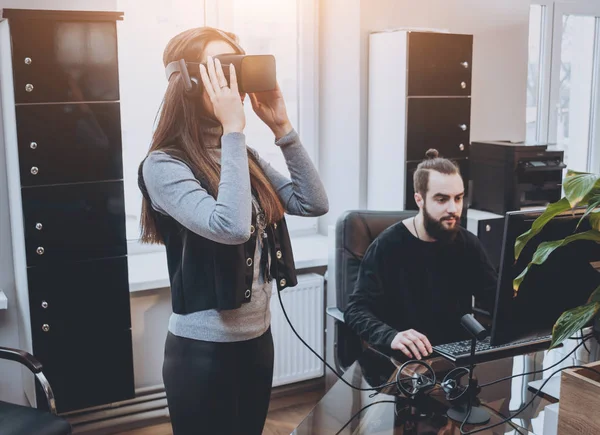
(336, 313)
(35, 366)
(22, 357)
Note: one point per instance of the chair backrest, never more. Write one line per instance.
(355, 230)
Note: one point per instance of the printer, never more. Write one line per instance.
(507, 176)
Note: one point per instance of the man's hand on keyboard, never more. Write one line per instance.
(411, 343)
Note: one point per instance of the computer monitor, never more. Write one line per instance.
(564, 281)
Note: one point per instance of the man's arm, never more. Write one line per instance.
(367, 303)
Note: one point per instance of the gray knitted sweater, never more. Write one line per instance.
(175, 191)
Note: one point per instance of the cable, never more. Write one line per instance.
(513, 425)
(361, 410)
(469, 412)
(526, 405)
(587, 337)
(325, 362)
(465, 420)
(585, 345)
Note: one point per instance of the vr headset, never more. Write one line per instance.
(255, 73)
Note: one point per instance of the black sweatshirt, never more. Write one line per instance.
(406, 283)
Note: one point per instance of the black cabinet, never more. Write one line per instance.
(74, 222)
(419, 98)
(69, 143)
(67, 146)
(85, 367)
(87, 296)
(439, 64)
(442, 124)
(62, 60)
(438, 105)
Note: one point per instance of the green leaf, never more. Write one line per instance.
(577, 185)
(594, 202)
(595, 297)
(519, 279)
(595, 220)
(572, 321)
(551, 211)
(544, 250)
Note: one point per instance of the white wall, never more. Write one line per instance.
(341, 157)
(10, 373)
(500, 30)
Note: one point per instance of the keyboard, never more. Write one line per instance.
(462, 349)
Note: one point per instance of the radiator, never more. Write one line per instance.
(304, 305)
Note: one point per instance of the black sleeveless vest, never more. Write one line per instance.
(205, 274)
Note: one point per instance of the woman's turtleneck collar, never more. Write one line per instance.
(211, 131)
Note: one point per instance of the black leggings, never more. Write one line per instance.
(218, 388)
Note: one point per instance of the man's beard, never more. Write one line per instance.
(437, 230)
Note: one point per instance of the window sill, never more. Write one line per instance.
(148, 270)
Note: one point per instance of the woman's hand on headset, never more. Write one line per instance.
(226, 101)
(270, 108)
(411, 343)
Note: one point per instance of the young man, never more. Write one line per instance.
(418, 277)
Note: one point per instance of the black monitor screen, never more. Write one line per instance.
(564, 281)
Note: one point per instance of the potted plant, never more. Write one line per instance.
(580, 389)
(581, 190)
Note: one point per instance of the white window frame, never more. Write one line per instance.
(215, 14)
(542, 124)
(133, 244)
(549, 85)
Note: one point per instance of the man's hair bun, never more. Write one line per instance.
(432, 153)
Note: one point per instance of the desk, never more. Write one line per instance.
(373, 369)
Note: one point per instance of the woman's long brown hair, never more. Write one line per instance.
(180, 134)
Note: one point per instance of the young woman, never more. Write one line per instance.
(219, 210)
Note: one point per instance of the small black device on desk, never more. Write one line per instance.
(508, 176)
(522, 322)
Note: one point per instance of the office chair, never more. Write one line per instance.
(24, 420)
(355, 230)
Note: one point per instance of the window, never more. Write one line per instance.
(143, 34)
(574, 77)
(565, 110)
(536, 22)
(285, 28)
